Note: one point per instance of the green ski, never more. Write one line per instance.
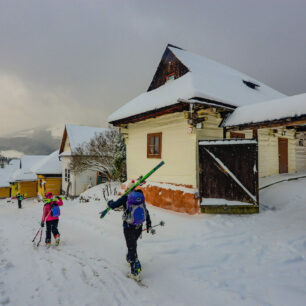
(104, 212)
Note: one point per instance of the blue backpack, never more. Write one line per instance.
(136, 212)
(55, 210)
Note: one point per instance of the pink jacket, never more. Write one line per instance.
(46, 211)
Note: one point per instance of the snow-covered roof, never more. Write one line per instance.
(288, 107)
(206, 79)
(28, 163)
(49, 165)
(7, 172)
(79, 134)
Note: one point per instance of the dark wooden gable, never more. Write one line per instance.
(169, 66)
(61, 150)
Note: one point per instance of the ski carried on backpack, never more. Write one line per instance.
(104, 212)
(53, 199)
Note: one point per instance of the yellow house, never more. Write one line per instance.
(49, 175)
(24, 179)
(14, 189)
(5, 175)
(208, 166)
(5, 192)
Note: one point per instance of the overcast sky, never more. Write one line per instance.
(77, 61)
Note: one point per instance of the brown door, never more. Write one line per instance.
(240, 159)
(283, 155)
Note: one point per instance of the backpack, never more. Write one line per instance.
(136, 211)
(55, 210)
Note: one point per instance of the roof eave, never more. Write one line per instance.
(288, 121)
(181, 105)
(177, 107)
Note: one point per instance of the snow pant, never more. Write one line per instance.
(19, 203)
(131, 234)
(51, 227)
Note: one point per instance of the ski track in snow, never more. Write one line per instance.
(193, 260)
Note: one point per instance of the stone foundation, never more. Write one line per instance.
(180, 198)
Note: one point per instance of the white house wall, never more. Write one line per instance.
(79, 181)
(65, 165)
(67, 145)
(268, 151)
(178, 150)
(268, 163)
(82, 181)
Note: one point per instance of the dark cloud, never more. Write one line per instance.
(81, 60)
(40, 142)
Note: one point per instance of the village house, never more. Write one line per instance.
(74, 183)
(181, 119)
(6, 173)
(49, 175)
(24, 179)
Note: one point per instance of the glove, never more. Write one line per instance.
(148, 224)
(42, 224)
(109, 203)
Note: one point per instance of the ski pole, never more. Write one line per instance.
(36, 234)
(40, 230)
(104, 212)
(161, 223)
(40, 237)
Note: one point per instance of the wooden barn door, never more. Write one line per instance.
(283, 155)
(228, 170)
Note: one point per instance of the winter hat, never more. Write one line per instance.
(49, 195)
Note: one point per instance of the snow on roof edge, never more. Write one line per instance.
(288, 107)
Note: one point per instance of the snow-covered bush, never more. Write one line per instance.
(104, 153)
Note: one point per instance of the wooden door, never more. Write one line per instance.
(228, 170)
(283, 155)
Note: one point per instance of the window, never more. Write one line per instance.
(170, 77)
(67, 175)
(250, 84)
(237, 135)
(101, 178)
(154, 144)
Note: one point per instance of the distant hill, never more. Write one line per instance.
(38, 141)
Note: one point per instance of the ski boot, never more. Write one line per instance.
(48, 245)
(57, 240)
(135, 271)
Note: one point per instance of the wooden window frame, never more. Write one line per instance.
(158, 155)
(169, 76)
(67, 175)
(237, 135)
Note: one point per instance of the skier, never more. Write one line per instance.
(51, 216)
(19, 197)
(135, 213)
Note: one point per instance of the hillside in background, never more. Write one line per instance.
(39, 141)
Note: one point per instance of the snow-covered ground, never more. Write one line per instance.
(193, 260)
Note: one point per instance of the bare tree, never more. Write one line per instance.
(104, 153)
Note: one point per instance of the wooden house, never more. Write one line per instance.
(74, 183)
(49, 175)
(5, 174)
(179, 120)
(277, 125)
(25, 179)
